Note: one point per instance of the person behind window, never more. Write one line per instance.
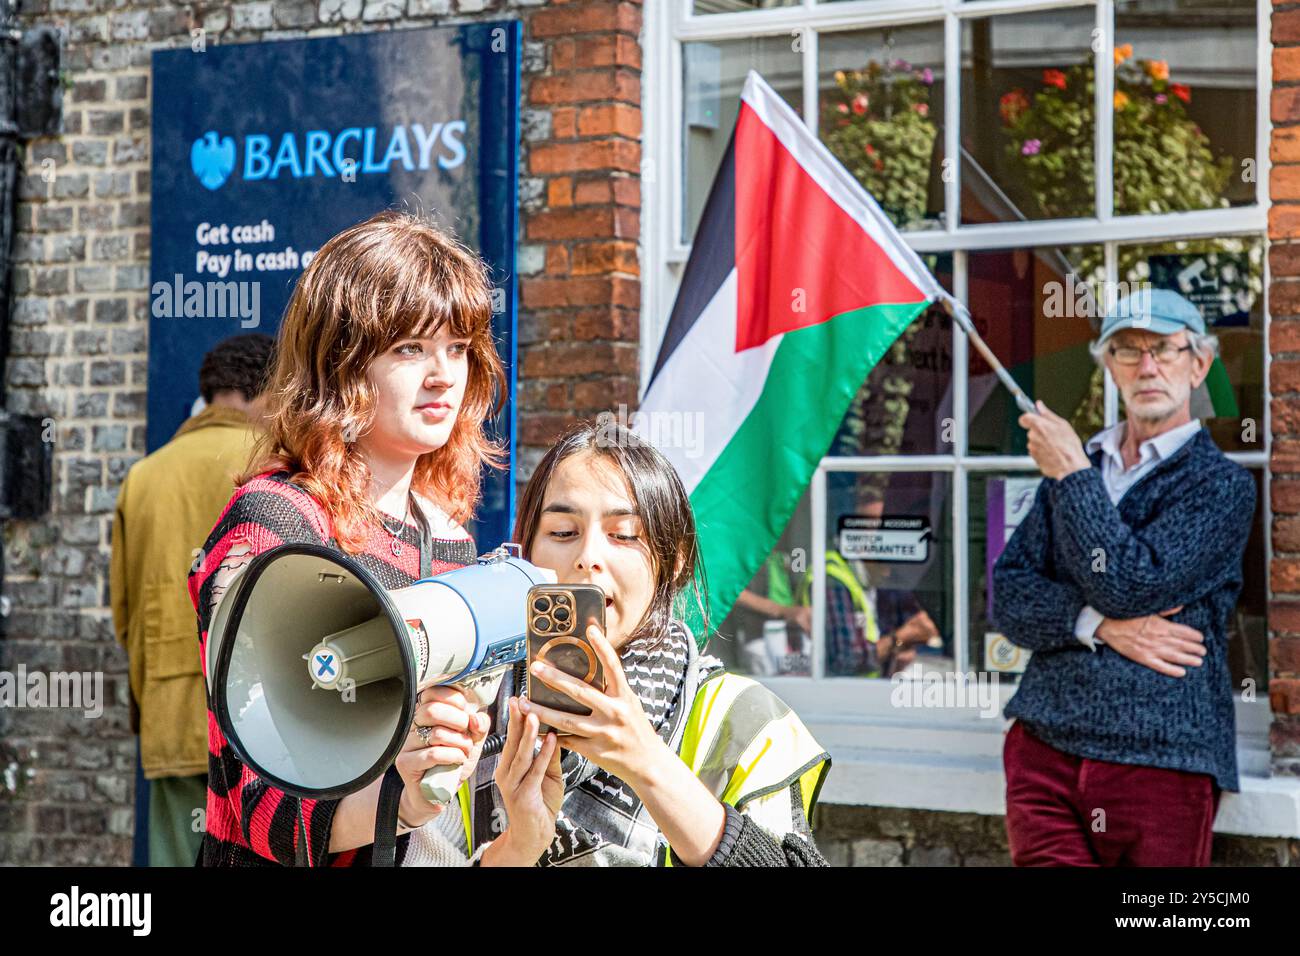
(871, 630)
(770, 597)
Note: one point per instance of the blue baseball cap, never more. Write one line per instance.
(1162, 311)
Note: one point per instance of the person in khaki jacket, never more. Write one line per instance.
(166, 507)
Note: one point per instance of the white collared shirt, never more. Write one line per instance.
(1119, 480)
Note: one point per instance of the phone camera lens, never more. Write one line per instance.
(541, 624)
(542, 605)
(561, 614)
(561, 600)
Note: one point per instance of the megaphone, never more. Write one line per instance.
(313, 667)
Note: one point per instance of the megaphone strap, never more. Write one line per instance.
(426, 538)
(384, 851)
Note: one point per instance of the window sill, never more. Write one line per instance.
(968, 783)
(950, 758)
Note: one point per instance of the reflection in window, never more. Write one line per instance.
(881, 112)
(1224, 278)
(714, 75)
(888, 574)
(768, 631)
(901, 407)
(1185, 104)
(1027, 117)
(997, 503)
(1248, 623)
(1035, 308)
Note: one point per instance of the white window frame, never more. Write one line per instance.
(831, 702)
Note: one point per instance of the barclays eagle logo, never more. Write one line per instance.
(212, 160)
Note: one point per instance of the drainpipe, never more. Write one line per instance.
(31, 105)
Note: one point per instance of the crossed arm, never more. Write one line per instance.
(1134, 580)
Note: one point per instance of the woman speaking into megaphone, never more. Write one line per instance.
(384, 375)
(675, 761)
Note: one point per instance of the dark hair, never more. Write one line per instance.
(661, 501)
(240, 363)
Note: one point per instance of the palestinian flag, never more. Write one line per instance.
(796, 285)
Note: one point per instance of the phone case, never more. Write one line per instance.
(558, 616)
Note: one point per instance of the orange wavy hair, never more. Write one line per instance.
(392, 277)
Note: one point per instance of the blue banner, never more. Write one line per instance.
(263, 151)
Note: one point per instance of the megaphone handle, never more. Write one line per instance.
(440, 784)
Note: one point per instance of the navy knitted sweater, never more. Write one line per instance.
(1176, 537)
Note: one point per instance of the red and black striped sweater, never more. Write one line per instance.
(250, 823)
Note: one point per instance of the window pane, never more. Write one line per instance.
(901, 407)
(765, 633)
(888, 573)
(881, 110)
(1027, 117)
(739, 6)
(1033, 307)
(1185, 104)
(997, 502)
(1225, 279)
(1248, 625)
(714, 74)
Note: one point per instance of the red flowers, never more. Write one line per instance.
(1182, 91)
(1011, 105)
(1054, 78)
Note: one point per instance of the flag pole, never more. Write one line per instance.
(962, 318)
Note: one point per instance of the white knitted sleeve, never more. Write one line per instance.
(430, 846)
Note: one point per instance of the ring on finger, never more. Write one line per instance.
(424, 733)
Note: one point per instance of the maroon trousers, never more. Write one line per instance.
(1064, 810)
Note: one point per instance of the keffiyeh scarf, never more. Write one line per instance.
(602, 822)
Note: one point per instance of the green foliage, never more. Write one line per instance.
(877, 123)
(1162, 160)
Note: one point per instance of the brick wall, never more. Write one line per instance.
(1284, 382)
(79, 330)
(581, 292)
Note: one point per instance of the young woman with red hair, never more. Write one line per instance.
(384, 376)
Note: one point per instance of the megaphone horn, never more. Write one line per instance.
(313, 667)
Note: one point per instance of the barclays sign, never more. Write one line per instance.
(347, 152)
(260, 152)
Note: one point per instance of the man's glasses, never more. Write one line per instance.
(1164, 353)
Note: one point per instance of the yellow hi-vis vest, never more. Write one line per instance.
(742, 742)
(838, 569)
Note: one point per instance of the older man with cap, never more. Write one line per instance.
(1121, 579)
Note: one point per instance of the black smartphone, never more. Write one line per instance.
(558, 618)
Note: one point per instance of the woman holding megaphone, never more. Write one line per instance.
(384, 376)
(676, 762)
